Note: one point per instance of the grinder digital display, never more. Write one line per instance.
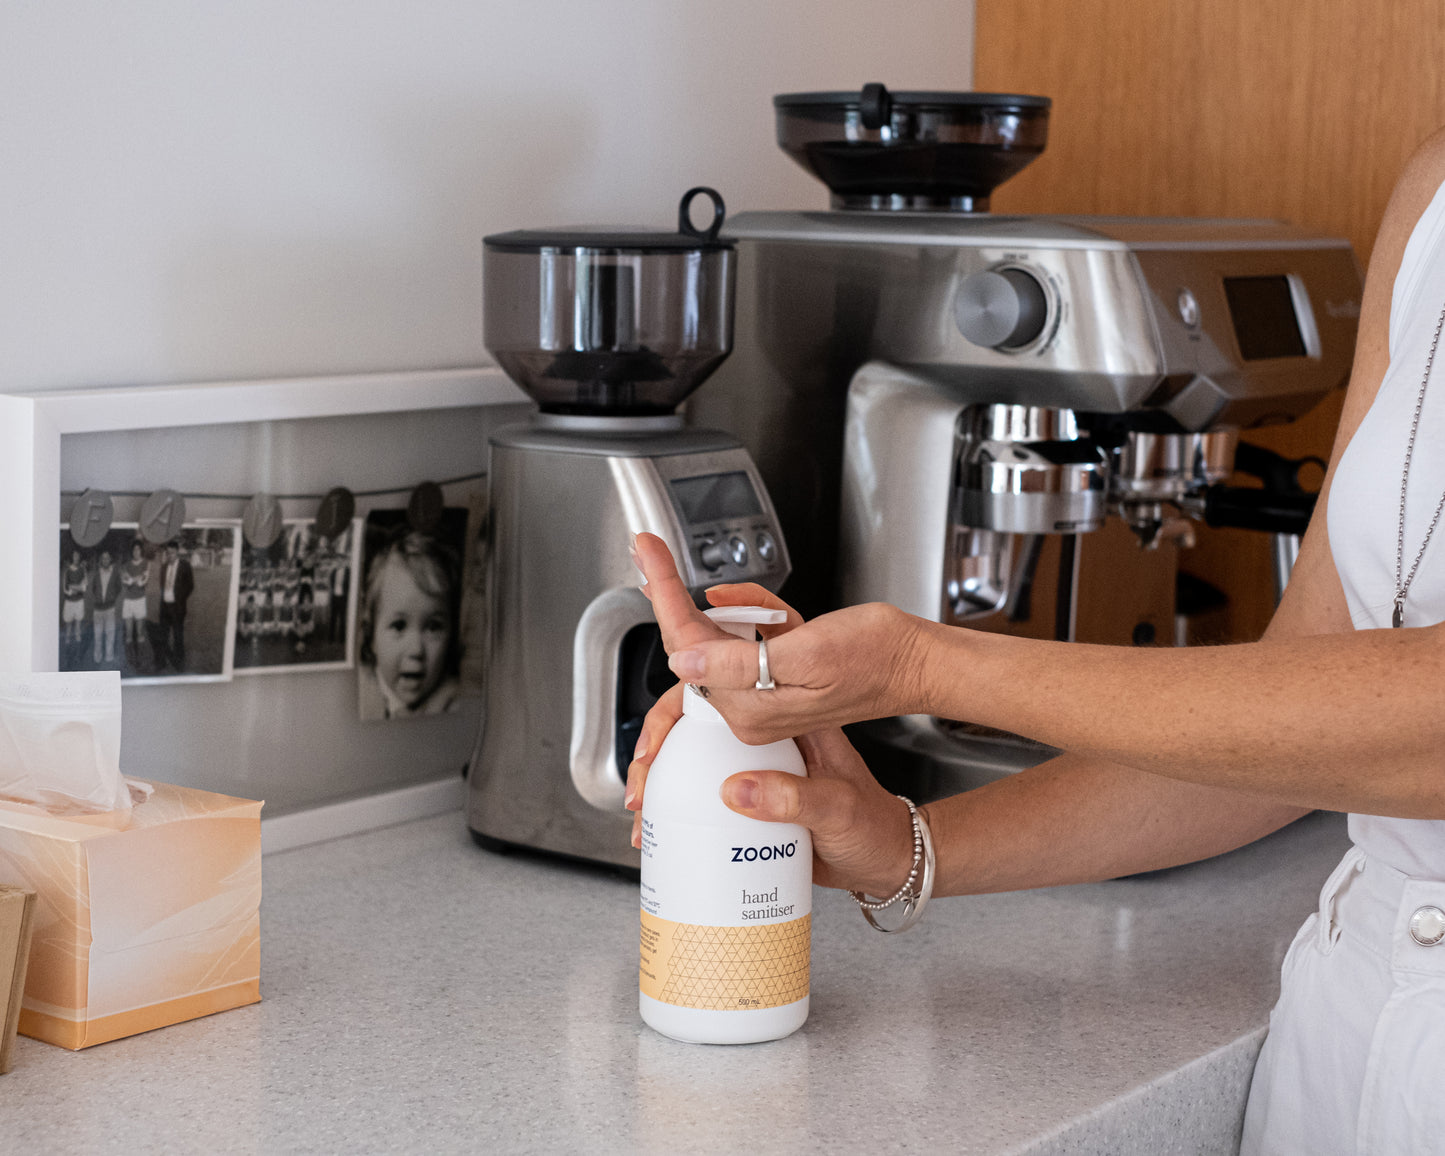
(716, 497)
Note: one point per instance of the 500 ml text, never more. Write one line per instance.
(763, 854)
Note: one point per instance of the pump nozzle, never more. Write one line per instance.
(742, 621)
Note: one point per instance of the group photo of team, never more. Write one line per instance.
(154, 611)
(295, 600)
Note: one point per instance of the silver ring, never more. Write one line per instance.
(765, 679)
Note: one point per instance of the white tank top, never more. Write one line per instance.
(1364, 505)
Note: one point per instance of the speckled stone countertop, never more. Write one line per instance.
(423, 995)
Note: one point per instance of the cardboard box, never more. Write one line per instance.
(140, 921)
(16, 906)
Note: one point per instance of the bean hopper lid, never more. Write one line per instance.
(610, 322)
(876, 149)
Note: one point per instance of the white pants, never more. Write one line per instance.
(1355, 1057)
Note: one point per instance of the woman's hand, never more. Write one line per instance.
(683, 625)
(655, 727)
(862, 835)
(859, 663)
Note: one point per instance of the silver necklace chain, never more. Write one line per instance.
(1403, 587)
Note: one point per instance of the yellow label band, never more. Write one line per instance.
(725, 968)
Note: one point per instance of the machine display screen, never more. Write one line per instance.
(715, 497)
(1264, 318)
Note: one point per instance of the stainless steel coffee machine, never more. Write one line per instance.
(609, 332)
(1008, 421)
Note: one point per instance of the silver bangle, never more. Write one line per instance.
(913, 900)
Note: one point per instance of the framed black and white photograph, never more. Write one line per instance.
(156, 612)
(409, 640)
(296, 601)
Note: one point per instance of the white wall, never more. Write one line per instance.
(197, 189)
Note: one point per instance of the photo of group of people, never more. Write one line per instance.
(398, 603)
(295, 601)
(151, 611)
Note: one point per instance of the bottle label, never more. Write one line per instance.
(725, 968)
(726, 918)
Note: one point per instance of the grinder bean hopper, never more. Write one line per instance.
(608, 331)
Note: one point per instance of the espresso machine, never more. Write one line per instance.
(608, 331)
(1010, 421)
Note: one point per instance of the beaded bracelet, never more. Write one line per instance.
(913, 900)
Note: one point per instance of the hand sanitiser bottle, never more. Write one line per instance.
(726, 900)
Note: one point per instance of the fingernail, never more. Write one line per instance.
(628, 797)
(641, 748)
(688, 665)
(741, 794)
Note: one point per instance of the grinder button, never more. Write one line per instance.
(713, 554)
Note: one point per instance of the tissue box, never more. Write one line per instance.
(15, 906)
(141, 920)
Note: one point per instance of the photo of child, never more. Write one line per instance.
(410, 614)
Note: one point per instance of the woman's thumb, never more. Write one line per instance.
(778, 797)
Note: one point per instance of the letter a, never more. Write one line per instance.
(161, 518)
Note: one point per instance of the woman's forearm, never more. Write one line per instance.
(1350, 722)
(1075, 819)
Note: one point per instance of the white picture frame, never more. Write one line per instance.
(32, 426)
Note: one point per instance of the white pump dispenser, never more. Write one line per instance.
(726, 900)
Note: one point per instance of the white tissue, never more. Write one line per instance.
(60, 741)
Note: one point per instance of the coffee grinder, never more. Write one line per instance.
(608, 332)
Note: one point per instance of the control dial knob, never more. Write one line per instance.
(715, 554)
(1001, 308)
